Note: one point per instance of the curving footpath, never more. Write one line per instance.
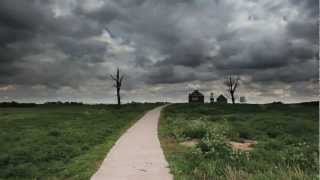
(137, 155)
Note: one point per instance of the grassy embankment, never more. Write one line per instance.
(60, 141)
(286, 135)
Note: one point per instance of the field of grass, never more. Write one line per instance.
(60, 141)
(286, 135)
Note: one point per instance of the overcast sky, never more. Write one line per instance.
(64, 50)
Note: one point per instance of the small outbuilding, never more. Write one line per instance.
(196, 97)
(243, 99)
(222, 100)
(211, 98)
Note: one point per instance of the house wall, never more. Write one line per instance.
(222, 101)
(196, 99)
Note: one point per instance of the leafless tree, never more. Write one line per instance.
(232, 83)
(117, 84)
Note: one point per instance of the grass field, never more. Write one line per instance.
(286, 135)
(60, 141)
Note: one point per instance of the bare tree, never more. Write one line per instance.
(117, 84)
(232, 83)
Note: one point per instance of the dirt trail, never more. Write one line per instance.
(137, 155)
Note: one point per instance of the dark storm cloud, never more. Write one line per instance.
(21, 20)
(21, 14)
(169, 75)
(305, 29)
(263, 54)
(290, 73)
(189, 56)
(260, 55)
(30, 33)
(310, 7)
(59, 44)
(144, 62)
(105, 14)
(79, 49)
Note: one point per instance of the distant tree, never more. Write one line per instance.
(117, 84)
(232, 83)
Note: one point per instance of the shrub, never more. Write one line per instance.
(195, 129)
(214, 144)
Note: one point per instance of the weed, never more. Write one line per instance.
(287, 137)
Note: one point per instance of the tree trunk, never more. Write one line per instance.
(117, 84)
(118, 96)
(232, 85)
(232, 98)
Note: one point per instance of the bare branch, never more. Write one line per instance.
(236, 83)
(232, 84)
(117, 84)
(121, 78)
(113, 78)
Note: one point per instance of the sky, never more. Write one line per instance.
(53, 50)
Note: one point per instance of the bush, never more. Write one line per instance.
(195, 129)
(213, 144)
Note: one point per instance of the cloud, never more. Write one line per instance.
(69, 47)
(7, 88)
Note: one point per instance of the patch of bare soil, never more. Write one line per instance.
(190, 143)
(244, 145)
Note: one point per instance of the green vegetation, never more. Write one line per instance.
(286, 135)
(60, 141)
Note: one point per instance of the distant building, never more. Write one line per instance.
(211, 98)
(222, 100)
(243, 99)
(196, 97)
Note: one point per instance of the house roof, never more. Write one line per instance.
(221, 97)
(196, 93)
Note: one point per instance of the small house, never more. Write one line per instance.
(196, 97)
(243, 99)
(222, 100)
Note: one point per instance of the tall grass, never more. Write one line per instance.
(287, 137)
(59, 141)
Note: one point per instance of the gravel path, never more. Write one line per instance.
(137, 155)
